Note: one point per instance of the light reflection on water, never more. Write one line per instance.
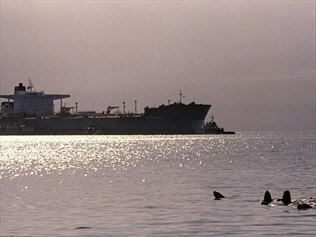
(40, 155)
(155, 185)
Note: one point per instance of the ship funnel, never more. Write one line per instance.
(20, 89)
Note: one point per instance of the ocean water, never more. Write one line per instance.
(156, 185)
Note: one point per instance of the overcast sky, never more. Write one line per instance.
(254, 61)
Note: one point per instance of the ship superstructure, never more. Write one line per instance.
(29, 103)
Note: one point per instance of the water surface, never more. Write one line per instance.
(155, 185)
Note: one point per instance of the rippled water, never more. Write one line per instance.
(155, 185)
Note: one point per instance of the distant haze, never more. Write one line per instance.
(254, 61)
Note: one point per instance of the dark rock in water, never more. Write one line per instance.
(303, 206)
(286, 199)
(218, 195)
(267, 198)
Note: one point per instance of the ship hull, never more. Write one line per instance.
(171, 119)
(105, 126)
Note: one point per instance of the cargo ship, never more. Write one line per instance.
(32, 112)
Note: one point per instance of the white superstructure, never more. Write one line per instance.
(30, 102)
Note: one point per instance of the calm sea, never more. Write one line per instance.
(156, 185)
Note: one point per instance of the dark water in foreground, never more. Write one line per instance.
(155, 185)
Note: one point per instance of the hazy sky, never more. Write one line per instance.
(254, 61)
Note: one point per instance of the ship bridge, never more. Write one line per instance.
(30, 102)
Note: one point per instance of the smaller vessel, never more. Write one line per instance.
(212, 128)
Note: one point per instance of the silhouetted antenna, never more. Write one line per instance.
(135, 106)
(30, 86)
(180, 94)
(123, 107)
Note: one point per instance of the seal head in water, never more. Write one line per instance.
(267, 198)
(218, 195)
(286, 198)
(303, 206)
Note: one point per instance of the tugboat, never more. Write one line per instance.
(212, 128)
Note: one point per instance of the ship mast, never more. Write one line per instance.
(212, 118)
(180, 94)
(124, 107)
(30, 86)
